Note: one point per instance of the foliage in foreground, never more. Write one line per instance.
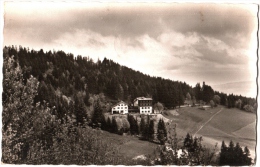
(33, 133)
(192, 152)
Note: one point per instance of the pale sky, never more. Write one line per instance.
(215, 43)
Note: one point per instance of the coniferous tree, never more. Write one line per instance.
(151, 131)
(146, 132)
(133, 124)
(197, 91)
(238, 155)
(180, 97)
(234, 155)
(80, 112)
(142, 125)
(161, 132)
(109, 124)
(247, 160)
(230, 152)
(144, 129)
(104, 123)
(188, 142)
(223, 154)
(97, 115)
(114, 128)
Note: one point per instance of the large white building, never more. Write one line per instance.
(120, 108)
(144, 104)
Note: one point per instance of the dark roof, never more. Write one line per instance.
(119, 103)
(143, 98)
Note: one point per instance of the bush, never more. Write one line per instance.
(249, 108)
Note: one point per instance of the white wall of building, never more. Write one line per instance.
(120, 108)
(146, 110)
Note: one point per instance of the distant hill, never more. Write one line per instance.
(63, 74)
(76, 79)
(245, 88)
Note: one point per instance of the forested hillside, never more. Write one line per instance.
(61, 72)
(75, 78)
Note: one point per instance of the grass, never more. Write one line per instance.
(229, 124)
(230, 120)
(247, 131)
(189, 119)
(129, 146)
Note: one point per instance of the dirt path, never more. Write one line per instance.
(208, 121)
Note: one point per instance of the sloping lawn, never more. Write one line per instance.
(190, 119)
(130, 146)
(230, 120)
(229, 124)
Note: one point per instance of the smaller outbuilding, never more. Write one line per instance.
(120, 108)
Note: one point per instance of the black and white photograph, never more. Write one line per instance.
(129, 83)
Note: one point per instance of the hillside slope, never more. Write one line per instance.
(228, 124)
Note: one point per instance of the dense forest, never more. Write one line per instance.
(68, 76)
(50, 98)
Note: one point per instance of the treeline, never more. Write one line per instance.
(75, 78)
(206, 94)
(66, 75)
(234, 155)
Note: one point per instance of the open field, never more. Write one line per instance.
(129, 146)
(217, 124)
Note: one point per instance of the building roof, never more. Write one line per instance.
(143, 98)
(119, 103)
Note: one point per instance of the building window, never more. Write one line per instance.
(125, 107)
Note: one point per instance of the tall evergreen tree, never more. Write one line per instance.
(103, 122)
(238, 155)
(133, 124)
(247, 160)
(114, 128)
(234, 155)
(144, 129)
(188, 142)
(79, 111)
(151, 130)
(97, 115)
(223, 154)
(109, 124)
(161, 132)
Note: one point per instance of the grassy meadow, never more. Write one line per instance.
(228, 124)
